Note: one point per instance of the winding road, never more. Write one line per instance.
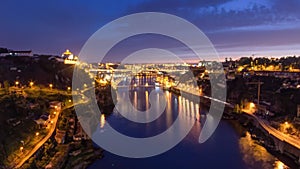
(276, 133)
(42, 142)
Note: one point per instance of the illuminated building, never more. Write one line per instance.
(69, 57)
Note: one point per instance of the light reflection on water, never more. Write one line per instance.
(279, 165)
(256, 156)
(247, 150)
(102, 120)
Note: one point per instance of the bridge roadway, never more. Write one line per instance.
(130, 70)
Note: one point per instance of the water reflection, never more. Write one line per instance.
(102, 120)
(256, 156)
(135, 99)
(230, 150)
(279, 165)
(147, 99)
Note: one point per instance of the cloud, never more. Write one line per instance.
(52, 26)
(238, 24)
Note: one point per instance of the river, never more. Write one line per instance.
(226, 148)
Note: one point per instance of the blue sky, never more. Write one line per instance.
(236, 28)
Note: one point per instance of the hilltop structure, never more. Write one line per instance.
(69, 57)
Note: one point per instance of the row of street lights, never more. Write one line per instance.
(284, 126)
(23, 143)
(31, 84)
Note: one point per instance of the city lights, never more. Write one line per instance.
(148, 87)
(31, 84)
(252, 105)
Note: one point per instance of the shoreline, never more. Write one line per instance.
(237, 123)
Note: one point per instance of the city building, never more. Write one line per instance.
(69, 57)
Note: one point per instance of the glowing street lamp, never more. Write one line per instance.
(51, 86)
(69, 88)
(31, 84)
(37, 133)
(287, 124)
(17, 83)
(252, 105)
(21, 148)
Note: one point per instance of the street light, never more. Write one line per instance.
(31, 84)
(37, 133)
(17, 83)
(252, 105)
(51, 85)
(69, 88)
(21, 148)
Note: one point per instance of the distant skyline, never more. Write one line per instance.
(236, 28)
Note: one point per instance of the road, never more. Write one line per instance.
(276, 133)
(42, 142)
(38, 146)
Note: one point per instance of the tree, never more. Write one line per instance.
(245, 61)
(6, 87)
(237, 108)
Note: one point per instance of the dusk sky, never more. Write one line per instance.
(236, 28)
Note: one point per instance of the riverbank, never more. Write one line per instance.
(82, 157)
(247, 131)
